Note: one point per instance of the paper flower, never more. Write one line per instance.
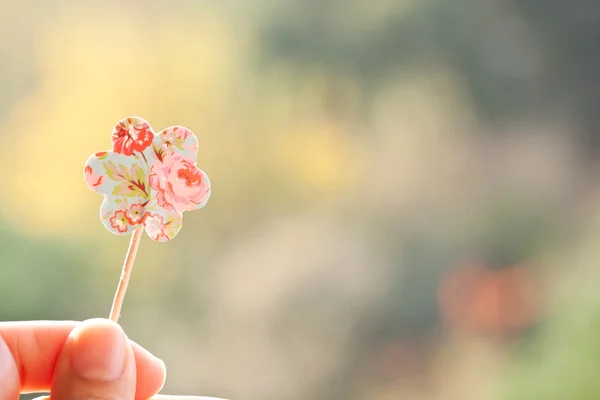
(148, 179)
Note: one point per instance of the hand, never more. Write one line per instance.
(93, 360)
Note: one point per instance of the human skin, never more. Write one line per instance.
(75, 360)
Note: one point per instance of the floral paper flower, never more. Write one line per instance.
(148, 179)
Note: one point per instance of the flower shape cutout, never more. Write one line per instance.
(147, 179)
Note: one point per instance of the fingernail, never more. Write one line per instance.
(98, 351)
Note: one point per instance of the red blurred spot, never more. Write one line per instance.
(484, 301)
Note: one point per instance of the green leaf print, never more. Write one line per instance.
(116, 172)
(139, 173)
(131, 182)
(172, 224)
(128, 190)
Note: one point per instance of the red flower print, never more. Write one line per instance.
(135, 214)
(131, 135)
(155, 226)
(120, 221)
(94, 181)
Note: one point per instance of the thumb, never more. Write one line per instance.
(97, 362)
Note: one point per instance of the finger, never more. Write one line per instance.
(150, 372)
(36, 345)
(158, 397)
(9, 374)
(96, 362)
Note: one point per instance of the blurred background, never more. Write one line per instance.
(405, 199)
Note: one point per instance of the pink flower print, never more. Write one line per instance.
(148, 179)
(178, 139)
(174, 137)
(155, 227)
(179, 184)
(120, 221)
(93, 180)
(136, 213)
(131, 135)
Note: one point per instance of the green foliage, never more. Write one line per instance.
(564, 360)
(40, 279)
(514, 61)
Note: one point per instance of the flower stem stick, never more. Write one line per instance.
(134, 244)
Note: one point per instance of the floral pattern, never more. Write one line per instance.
(131, 135)
(148, 178)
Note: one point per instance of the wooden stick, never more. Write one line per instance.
(115, 311)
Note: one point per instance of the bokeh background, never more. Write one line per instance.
(405, 198)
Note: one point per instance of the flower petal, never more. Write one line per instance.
(178, 139)
(201, 200)
(161, 225)
(118, 175)
(132, 135)
(115, 218)
(94, 174)
(177, 184)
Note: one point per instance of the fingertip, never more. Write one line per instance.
(99, 349)
(151, 373)
(96, 362)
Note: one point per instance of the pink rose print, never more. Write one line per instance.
(131, 135)
(179, 184)
(147, 179)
